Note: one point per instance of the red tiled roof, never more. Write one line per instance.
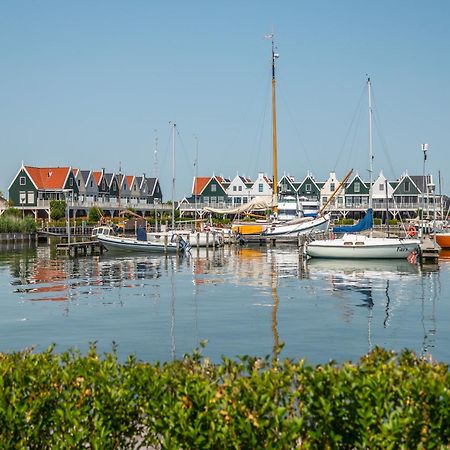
(129, 180)
(199, 185)
(48, 177)
(97, 176)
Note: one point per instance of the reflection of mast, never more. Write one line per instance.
(172, 304)
(276, 338)
(388, 304)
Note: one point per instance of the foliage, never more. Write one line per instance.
(9, 223)
(57, 209)
(70, 401)
(345, 221)
(12, 212)
(95, 214)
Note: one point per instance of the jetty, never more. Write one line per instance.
(81, 248)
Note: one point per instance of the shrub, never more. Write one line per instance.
(95, 214)
(70, 401)
(57, 209)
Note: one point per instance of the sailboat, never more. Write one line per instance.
(275, 228)
(353, 245)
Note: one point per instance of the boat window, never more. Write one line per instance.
(348, 243)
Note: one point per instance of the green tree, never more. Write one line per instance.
(57, 209)
(95, 214)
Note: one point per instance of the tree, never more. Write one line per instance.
(57, 209)
(95, 214)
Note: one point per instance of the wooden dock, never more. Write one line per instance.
(429, 251)
(81, 248)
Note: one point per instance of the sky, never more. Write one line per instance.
(94, 84)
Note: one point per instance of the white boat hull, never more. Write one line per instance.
(362, 247)
(297, 227)
(126, 244)
(194, 239)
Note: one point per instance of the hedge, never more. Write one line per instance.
(70, 401)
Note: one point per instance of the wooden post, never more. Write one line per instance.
(166, 237)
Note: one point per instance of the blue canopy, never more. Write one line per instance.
(366, 223)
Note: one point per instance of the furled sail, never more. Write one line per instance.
(366, 223)
(260, 203)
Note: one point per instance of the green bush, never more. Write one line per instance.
(57, 209)
(13, 224)
(70, 401)
(95, 214)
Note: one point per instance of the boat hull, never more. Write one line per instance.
(297, 228)
(123, 244)
(367, 248)
(195, 239)
(443, 239)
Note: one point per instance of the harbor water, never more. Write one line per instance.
(242, 301)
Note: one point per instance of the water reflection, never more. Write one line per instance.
(243, 300)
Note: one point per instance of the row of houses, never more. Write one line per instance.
(402, 197)
(34, 187)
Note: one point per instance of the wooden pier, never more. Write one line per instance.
(429, 251)
(81, 248)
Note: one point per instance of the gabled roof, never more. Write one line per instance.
(85, 174)
(97, 176)
(199, 183)
(151, 185)
(48, 177)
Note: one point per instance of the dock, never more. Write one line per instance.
(81, 248)
(429, 251)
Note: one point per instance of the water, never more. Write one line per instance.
(242, 301)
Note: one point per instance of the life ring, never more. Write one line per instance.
(412, 231)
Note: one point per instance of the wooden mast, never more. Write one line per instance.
(274, 130)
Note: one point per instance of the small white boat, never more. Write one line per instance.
(209, 238)
(139, 243)
(296, 227)
(359, 246)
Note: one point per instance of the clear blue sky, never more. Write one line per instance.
(92, 84)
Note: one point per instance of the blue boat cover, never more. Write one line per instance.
(141, 234)
(366, 223)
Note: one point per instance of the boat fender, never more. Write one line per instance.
(412, 231)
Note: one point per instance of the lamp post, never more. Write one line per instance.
(424, 184)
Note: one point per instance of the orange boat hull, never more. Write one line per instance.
(443, 239)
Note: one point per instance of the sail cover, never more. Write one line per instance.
(256, 204)
(366, 223)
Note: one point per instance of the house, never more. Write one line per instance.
(262, 186)
(152, 189)
(210, 190)
(35, 186)
(239, 190)
(309, 188)
(328, 189)
(357, 194)
(286, 186)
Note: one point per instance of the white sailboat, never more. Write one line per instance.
(276, 228)
(359, 246)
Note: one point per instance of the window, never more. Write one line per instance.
(308, 187)
(234, 188)
(79, 182)
(30, 197)
(381, 187)
(332, 187)
(260, 187)
(206, 200)
(92, 183)
(213, 188)
(407, 186)
(240, 188)
(22, 181)
(221, 199)
(357, 186)
(22, 197)
(324, 200)
(71, 182)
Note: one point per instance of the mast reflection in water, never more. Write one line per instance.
(252, 301)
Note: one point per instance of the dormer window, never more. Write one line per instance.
(22, 181)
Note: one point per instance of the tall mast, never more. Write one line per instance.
(369, 86)
(173, 175)
(274, 128)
